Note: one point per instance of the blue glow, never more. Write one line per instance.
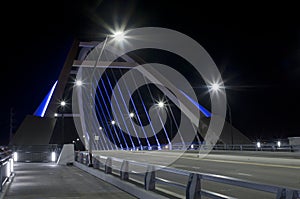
(40, 111)
(201, 108)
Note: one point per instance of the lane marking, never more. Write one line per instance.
(244, 174)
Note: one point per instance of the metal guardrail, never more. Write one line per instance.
(192, 188)
(242, 147)
(254, 147)
(233, 147)
(6, 168)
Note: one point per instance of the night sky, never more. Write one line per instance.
(257, 49)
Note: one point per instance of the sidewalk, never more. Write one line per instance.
(49, 181)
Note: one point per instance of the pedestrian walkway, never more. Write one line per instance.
(51, 181)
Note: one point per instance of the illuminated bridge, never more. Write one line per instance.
(133, 128)
(135, 115)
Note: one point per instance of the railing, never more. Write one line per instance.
(6, 167)
(233, 147)
(252, 147)
(151, 177)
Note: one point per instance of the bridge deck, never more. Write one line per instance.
(48, 180)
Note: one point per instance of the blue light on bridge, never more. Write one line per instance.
(40, 111)
(201, 108)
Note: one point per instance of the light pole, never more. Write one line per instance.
(62, 105)
(230, 121)
(119, 35)
(162, 105)
(215, 87)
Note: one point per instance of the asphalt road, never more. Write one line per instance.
(266, 168)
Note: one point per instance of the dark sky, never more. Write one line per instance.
(257, 49)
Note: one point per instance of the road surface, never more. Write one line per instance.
(281, 169)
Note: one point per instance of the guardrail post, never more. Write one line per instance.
(90, 159)
(108, 166)
(149, 181)
(124, 170)
(281, 193)
(95, 163)
(291, 194)
(81, 158)
(193, 188)
(86, 158)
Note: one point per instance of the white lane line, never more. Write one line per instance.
(244, 174)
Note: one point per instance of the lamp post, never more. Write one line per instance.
(62, 105)
(216, 88)
(230, 121)
(119, 35)
(162, 105)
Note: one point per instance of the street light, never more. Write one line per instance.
(278, 144)
(78, 82)
(62, 105)
(162, 104)
(216, 87)
(131, 115)
(258, 144)
(118, 36)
